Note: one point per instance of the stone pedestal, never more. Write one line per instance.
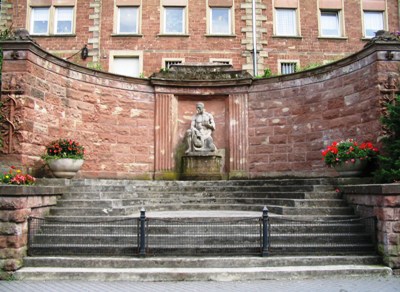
(201, 166)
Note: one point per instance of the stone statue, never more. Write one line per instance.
(198, 137)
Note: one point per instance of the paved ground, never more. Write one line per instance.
(388, 284)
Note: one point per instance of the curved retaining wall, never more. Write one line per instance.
(289, 120)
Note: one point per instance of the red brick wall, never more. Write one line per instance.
(197, 47)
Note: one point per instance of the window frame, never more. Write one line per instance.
(295, 22)
(281, 62)
(125, 54)
(32, 21)
(221, 61)
(52, 17)
(230, 28)
(56, 9)
(338, 14)
(118, 20)
(166, 60)
(382, 13)
(184, 20)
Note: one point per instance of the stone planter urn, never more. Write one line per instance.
(65, 167)
(351, 169)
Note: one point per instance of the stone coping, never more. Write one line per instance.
(372, 189)
(17, 191)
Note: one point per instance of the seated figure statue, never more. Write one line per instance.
(198, 137)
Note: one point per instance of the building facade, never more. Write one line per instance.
(139, 37)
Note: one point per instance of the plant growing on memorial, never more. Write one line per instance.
(64, 148)
(348, 151)
(16, 177)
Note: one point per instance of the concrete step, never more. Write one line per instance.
(198, 262)
(198, 274)
(114, 203)
(132, 210)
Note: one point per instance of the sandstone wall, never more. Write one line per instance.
(17, 203)
(111, 116)
(292, 118)
(276, 126)
(382, 201)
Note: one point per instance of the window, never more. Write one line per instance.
(288, 67)
(220, 20)
(64, 20)
(373, 21)
(40, 20)
(221, 61)
(128, 66)
(174, 20)
(169, 63)
(330, 24)
(286, 22)
(128, 20)
(56, 19)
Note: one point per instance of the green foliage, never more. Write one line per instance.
(64, 148)
(95, 65)
(389, 161)
(267, 74)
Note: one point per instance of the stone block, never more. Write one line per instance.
(20, 215)
(10, 228)
(10, 264)
(13, 253)
(201, 166)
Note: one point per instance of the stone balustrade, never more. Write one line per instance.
(17, 203)
(382, 201)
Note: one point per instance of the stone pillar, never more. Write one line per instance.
(238, 136)
(6, 14)
(94, 31)
(382, 201)
(165, 130)
(247, 41)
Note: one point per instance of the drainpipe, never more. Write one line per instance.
(255, 39)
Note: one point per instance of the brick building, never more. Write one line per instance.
(139, 37)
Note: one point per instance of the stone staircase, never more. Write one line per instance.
(312, 232)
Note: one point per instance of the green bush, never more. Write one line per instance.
(389, 161)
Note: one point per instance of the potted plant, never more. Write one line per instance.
(64, 157)
(348, 157)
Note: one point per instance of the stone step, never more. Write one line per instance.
(198, 274)
(132, 210)
(138, 183)
(167, 195)
(115, 203)
(178, 216)
(198, 262)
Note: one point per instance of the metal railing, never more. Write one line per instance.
(143, 236)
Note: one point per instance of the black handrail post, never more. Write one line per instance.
(29, 235)
(265, 241)
(142, 242)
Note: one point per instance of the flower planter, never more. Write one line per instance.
(351, 169)
(65, 167)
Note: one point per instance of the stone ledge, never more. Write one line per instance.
(16, 191)
(372, 189)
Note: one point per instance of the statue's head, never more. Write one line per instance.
(200, 107)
